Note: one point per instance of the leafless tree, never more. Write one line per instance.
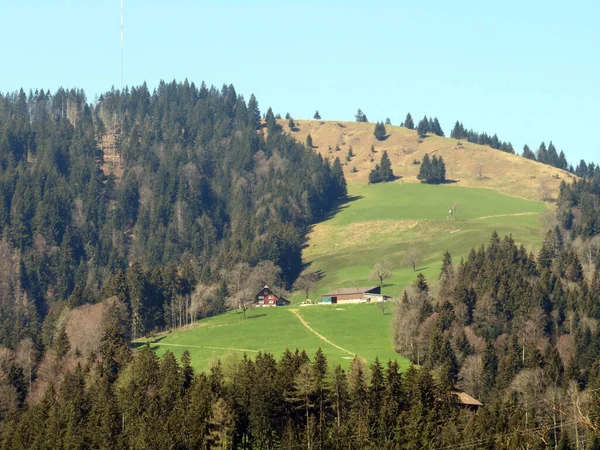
(471, 375)
(380, 272)
(25, 358)
(306, 281)
(405, 328)
(455, 210)
(412, 257)
(381, 307)
(479, 170)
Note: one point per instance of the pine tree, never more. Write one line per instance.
(317, 116)
(253, 112)
(385, 168)
(271, 122)
(309, 142)
(408, 122)
(527, 153)
(360, 116)
(436, 128)
(380, 132)
(423, 127)
(375, 175)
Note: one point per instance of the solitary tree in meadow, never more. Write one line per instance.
(412, 257)
(380, 272)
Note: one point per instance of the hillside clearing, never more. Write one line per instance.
(468, 164)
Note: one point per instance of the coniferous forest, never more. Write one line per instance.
(196, 185)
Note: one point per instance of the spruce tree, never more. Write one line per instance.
(253, 112)
(379, 131)
(527, 153)
(375, 175)
(408, 122)
(309, 142)
(423, 127)
(385, 168)
(317, 116)
(360, 116)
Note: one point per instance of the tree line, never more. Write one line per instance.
(460, 132)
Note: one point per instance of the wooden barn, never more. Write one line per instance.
(466, 401)
(266, 297)
(353, 295)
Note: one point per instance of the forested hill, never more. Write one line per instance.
(193, 183)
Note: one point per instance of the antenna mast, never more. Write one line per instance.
(122, 45)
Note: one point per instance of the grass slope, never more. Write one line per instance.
(510, 174)
(275, 329)
(384, 220)
(379, 223)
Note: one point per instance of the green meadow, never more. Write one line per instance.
(358, 329)
(379, 223)
(382, 221)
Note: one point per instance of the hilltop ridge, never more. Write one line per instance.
(467, 164)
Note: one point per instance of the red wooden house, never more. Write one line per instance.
(266, 297)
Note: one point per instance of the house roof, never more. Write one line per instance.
(466, 399)
(351, 290)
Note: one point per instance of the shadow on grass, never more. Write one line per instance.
(255, 316)
(149, 340)
(338, 208)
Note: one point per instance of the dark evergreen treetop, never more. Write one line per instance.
(379, 132)
(423, 127)
(360, 116)
(527, 153)
(317, 116)
(460, 132)
(382, 171)
(432, 171)
(408, 122)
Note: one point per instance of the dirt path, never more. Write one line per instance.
(507, 215)
(209, 348)
(303, 322)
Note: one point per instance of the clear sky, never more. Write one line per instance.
(527, 70)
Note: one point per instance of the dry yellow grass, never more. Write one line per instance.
(509, 174)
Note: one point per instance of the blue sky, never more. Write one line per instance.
(526, 70)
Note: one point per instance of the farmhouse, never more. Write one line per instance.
(354, 295)
(266, 297)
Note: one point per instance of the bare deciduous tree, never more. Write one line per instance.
(455, 210)
(412, 257)
(471, 375)
(479, 170)
(380, 272)
(306, 281)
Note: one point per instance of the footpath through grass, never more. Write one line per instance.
(358, 329)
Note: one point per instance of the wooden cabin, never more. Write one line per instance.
(266, 297)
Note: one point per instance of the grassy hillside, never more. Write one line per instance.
(472, 165)
(382, 221)
(275, 329)
(379, 223)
